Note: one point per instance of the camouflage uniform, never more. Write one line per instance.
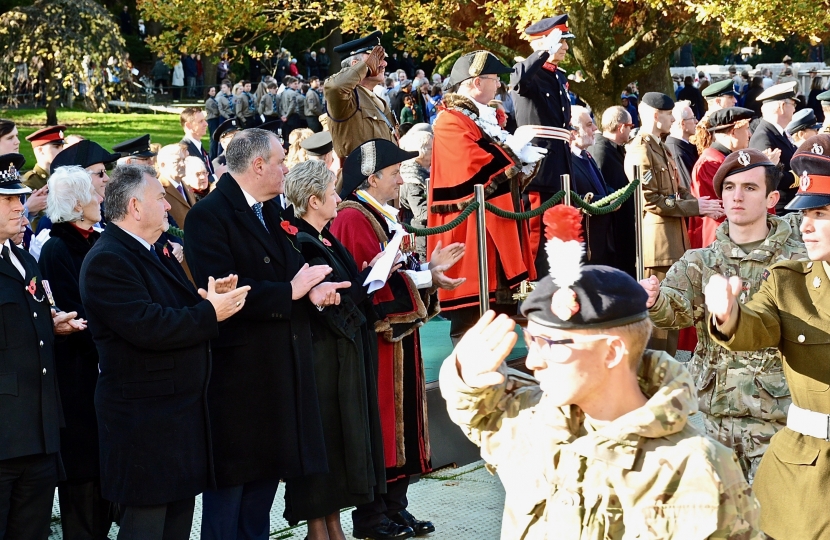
(743, 395)
(645, 475)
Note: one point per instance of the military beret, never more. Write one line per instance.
(607, 298)
(737, 162)
(369, 158)
(778, 92)
(228, 126)
(724, 119)
(824, 96)
(10, 184)
(659, 101)
(85, 154)
(318, 144)
(725, 87)
(475, 64)
(546, 26)
(803, 119)
(48, 135)
(360, 45)
(138, 147)
(811, 164)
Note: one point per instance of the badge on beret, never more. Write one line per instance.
(743, 158)
(804, 183)
(817, 149)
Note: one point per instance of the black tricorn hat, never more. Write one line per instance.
(475, 64)
(85, 153)
(10, 184)
(369, 158)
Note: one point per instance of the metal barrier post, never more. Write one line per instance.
(638, 223)
(481, 232)
(566, 185)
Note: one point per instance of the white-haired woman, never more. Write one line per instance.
(345, 355)
(413, 192)
(74, 207)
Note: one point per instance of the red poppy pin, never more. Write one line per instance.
(288, 227)
(165, 251)
(325, 241)
(32, 288)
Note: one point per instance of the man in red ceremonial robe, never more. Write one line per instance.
(470, 148)
(365, 225)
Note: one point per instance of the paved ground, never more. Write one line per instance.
(463, 503)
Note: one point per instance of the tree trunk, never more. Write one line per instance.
(335, 39)
(657, 80)
(52, 89)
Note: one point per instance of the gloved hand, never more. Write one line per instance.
(532, 154)
(551, 42)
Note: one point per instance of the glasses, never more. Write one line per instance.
(100, 174)
(543, 342)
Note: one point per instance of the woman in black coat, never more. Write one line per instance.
(74, 206)
(345, 366)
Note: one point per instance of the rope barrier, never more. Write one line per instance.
(447, 227)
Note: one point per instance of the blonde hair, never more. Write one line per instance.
(296, 153)
(635, 336)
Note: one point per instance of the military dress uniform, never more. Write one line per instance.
(790, 312)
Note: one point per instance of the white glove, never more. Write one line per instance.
(532, 154)
(551, 42)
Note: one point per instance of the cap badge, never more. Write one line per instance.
(804, 183)
(477, 65)
(367, 158)
(817, 149)
(60, 134)
(743, 158)
(563, 304)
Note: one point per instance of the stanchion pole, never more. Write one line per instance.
(566, 185)
(481, 229)
(638, 223)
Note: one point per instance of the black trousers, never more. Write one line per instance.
(85, 515)
(385, 505)
(171, 521)
(27, 489)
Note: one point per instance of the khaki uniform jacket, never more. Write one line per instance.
(355, 113)
(666, 202)
(36, 178)
(791, 311)
(647, 474)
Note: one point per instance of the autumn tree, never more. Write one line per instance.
(58, 41)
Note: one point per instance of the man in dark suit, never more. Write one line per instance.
(30, 406)
(264, 418)
(777, 109)
(693, 96)
(195, 126)
(152, 330)
(586, 178)
(608, 151)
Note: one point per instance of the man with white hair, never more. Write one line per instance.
(685, 153)
(170, 165)
(777, 109)
(415, 173)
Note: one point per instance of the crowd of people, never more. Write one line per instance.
(181, 320)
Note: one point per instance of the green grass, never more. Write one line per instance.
(106, 129)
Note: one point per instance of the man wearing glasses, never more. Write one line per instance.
(777, 109)
(596, 444)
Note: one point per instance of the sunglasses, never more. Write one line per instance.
(100, 174)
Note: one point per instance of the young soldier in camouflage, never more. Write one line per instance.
(743, 395)
(597, 445)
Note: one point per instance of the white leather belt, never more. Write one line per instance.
(808, 422)
(548, 132)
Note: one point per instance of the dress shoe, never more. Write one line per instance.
(420, 527)
(385, 530)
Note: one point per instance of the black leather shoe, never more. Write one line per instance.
(421, 528)
(384, 530)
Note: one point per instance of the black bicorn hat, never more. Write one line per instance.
(85, 154)
(228, 125)
(811, 164)
(724, 119)
(318, 144)
(10, 182)
(658, 100)
(607, 298)
(548, 25)
(475, 64)
(361, 45)
(138, 147)
(803, 119)
(737, 162)
(725, 87)
(369, 158)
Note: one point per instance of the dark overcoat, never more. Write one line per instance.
(153, 332)
(599, 237)
(263, 402)
(767, 136)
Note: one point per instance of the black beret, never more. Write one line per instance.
(546, 26)
(228, 125)
(84, 154)
(811, 164)
(475, 64)
(723, 119)
(360, 45)
(803, 119)
(369, 158)
(138, 147)
(736, 162)
(318, 144)
(10, 184)
(607, 298)
(659, 101)
(725, 87)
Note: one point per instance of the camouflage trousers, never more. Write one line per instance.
(748, 437)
